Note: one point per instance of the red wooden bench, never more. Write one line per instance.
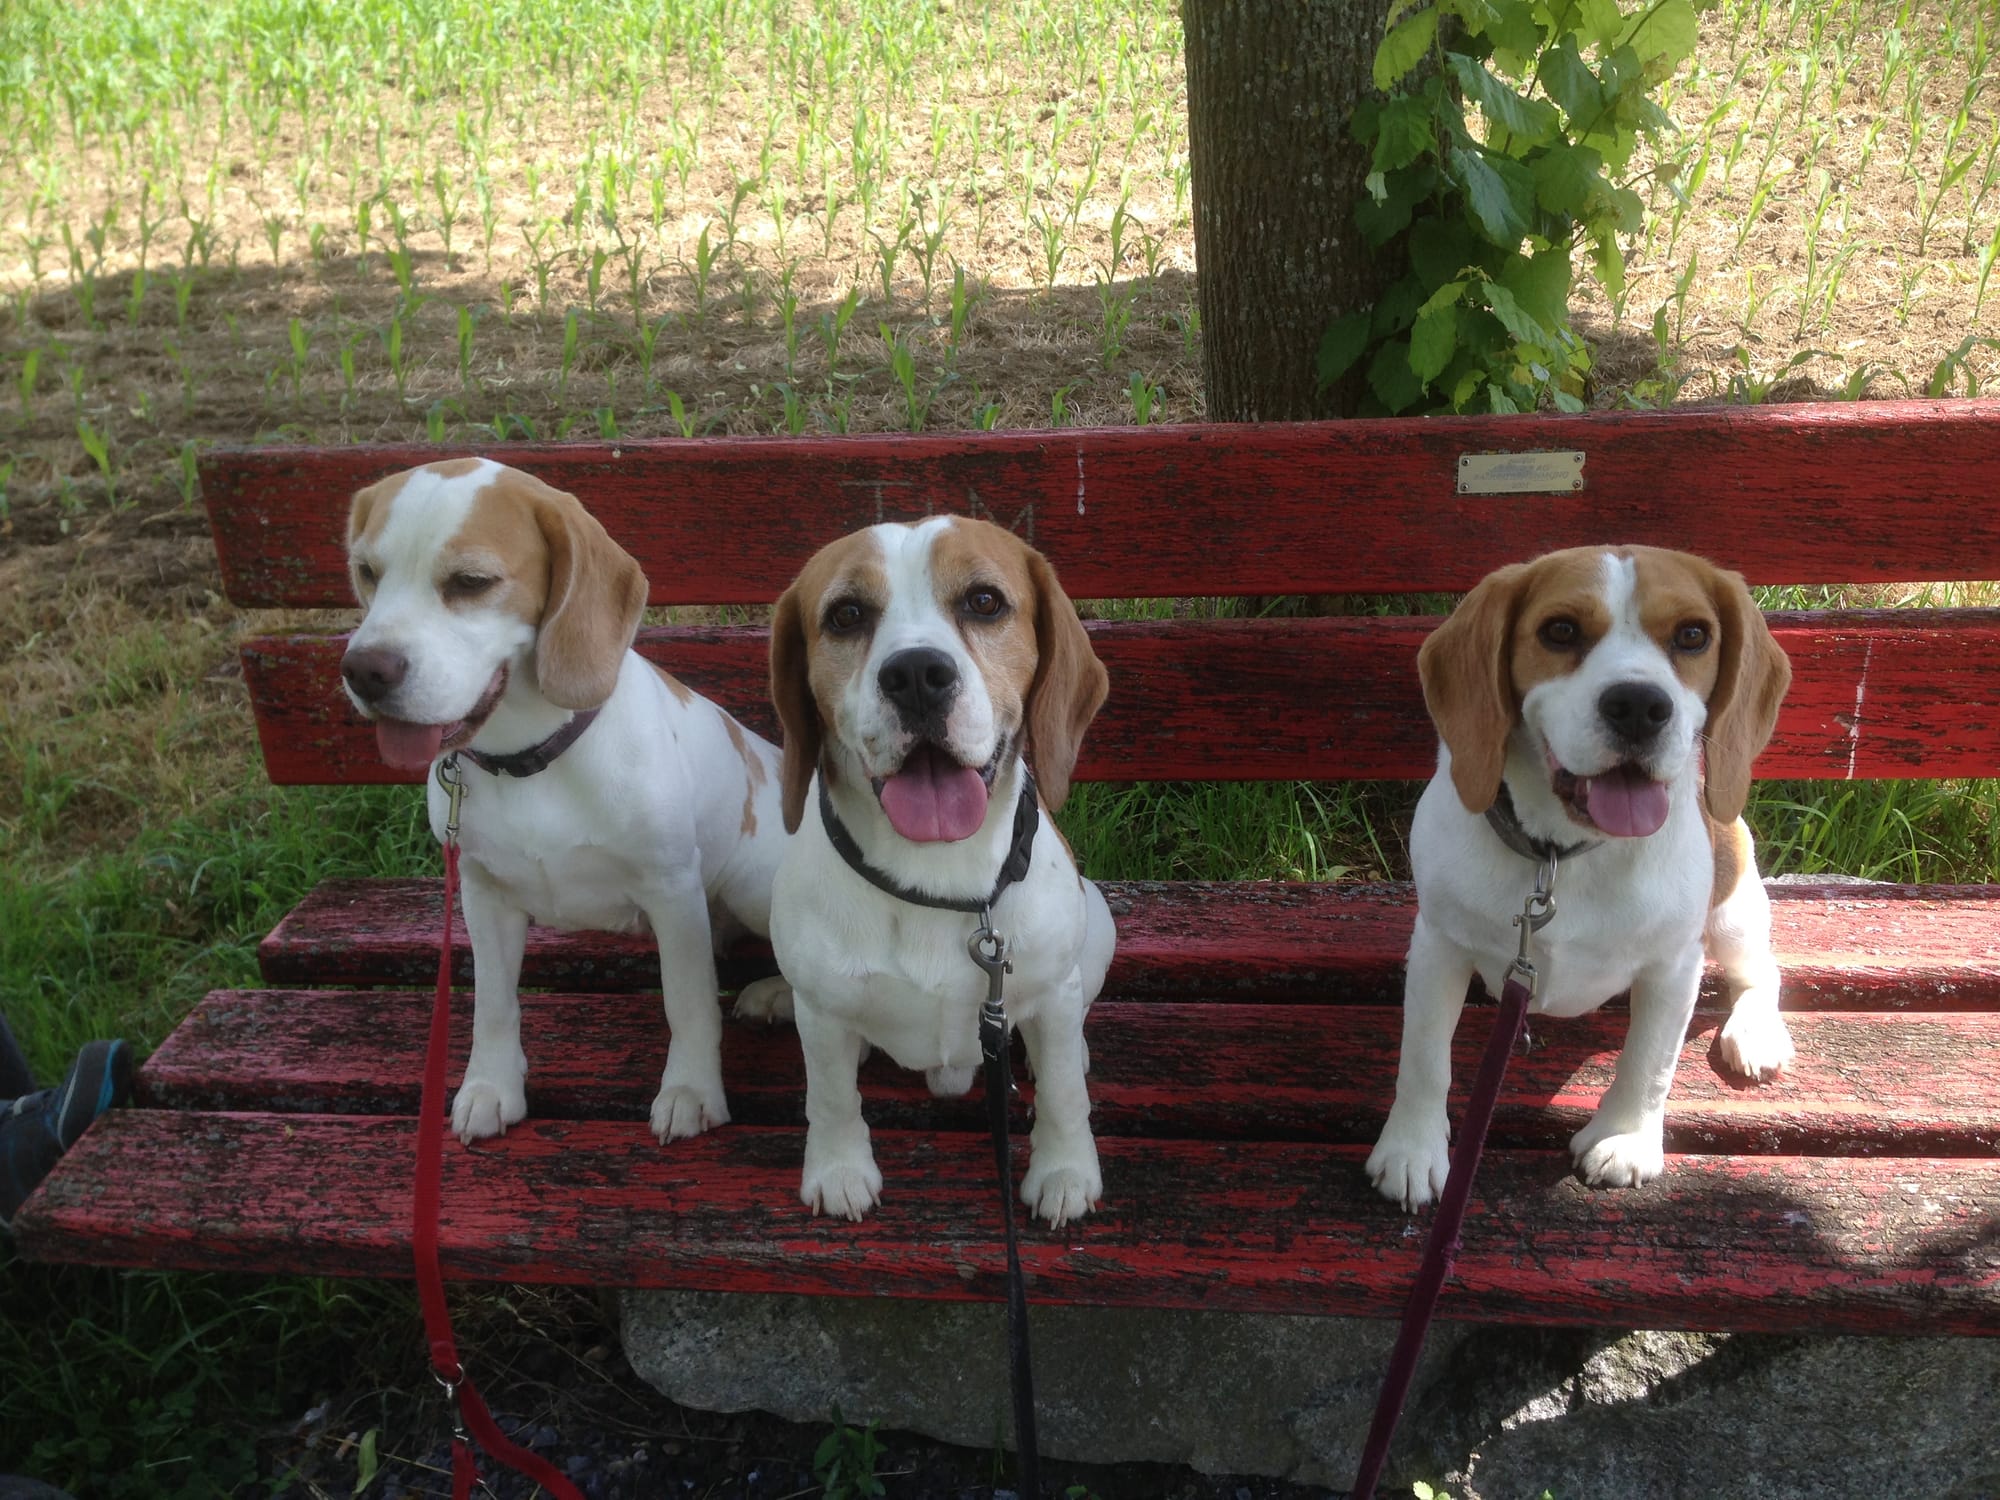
(1245, 1047)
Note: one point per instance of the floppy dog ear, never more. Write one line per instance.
(1743, 710)
(596, 595)
(1068, 689)
(1469, 687)
(791, 691)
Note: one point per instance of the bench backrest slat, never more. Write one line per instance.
(1832, 493)
(1298, 699)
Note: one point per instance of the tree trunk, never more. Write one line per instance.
(1271, 84)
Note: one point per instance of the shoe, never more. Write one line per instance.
(36, 1129)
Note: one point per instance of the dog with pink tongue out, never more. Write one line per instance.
(1604, 704)
(599, 792)
(920, 671)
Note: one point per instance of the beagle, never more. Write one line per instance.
(1605, 703)
(599, 792)
(915, 669)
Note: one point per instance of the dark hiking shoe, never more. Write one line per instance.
(35, 1130)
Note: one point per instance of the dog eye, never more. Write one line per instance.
(986, 603)
(468, 585)
(1691, 638)
(845, 616)
(1559, 634)
(365, 573)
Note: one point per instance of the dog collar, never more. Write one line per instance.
(1027, 818)
(536, 757)
(1506, 822)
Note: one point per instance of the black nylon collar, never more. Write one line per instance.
(536, 757)
(1027, 818)
(1506, 822)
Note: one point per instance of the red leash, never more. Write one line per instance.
(468, 1410)
(1441, 1249)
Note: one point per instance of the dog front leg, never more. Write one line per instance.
(1624, 1143)
(1413, 1156)
(690, 1098)
(841, 1179)
(494, 1093)
(1754, 1042)
(1063, 1181)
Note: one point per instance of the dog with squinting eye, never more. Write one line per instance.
(599, 792)
(1606, 702)
(917, 669)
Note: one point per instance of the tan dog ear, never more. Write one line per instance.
(791, 691)
(1749, 687)
(596, 595)
(1468, 685)
(1069, 687)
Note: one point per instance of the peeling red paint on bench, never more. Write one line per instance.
(1773, 1244)
(1864, 1083)
(1845, 947)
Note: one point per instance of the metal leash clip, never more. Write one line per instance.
(1536, 913)
(988, 949)
(453, 781)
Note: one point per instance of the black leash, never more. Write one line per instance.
(988, 949)
(1441, 1248)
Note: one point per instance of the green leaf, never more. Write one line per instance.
(1610, 263)
(1392, 379)
(1515, 34)
(1569, 180)
(1406, 130)
(1600, 21)
(1499, 400)
(1540, 284)
(1434, 337)
(1514, 318)
(1568, 80)
(1396, 309)
(1666, 29)
(1381, 220)
(1344, 343)
(1404, 47)
(1499, 191)
(1439, 249)
(1532, 121)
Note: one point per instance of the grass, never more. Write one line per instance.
(274, 220)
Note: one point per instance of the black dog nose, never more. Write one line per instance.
(921, 682)
(374, 673)
(1635, 711)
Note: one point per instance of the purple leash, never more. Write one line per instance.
(1441, 1249)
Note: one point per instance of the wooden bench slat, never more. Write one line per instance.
(1822, 493)
(1772, 1244)
(1877, 693)
(1844, 947)
(1864, 1084)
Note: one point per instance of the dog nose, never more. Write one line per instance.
(374, 673)
(1635, 711)
(921, 682)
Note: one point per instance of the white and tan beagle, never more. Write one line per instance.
(914, 667)
(600, 793)
(1607, 702)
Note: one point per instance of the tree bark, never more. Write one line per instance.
(1271, 84)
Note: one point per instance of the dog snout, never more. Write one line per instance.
(1635, 712)
(374, 672)
(921, 682)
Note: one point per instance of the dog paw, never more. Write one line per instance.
(1409, 1165)
(484, 1107)
(843, 1189)
(680, 1111)
(768, 1000)
(949, 1083)
(1062, 1190)
(1756, 1044)
(1608, 1157)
